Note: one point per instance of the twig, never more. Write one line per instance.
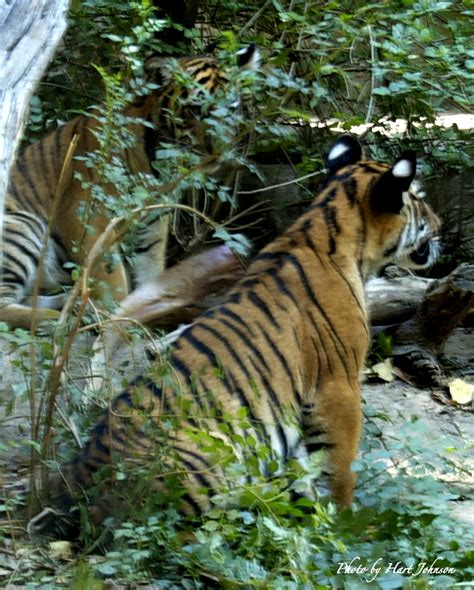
(254, 18)
(295, 181)
(58, 192)
(373, 77)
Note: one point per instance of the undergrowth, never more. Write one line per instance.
(400, 534)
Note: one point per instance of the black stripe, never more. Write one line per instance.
(271, 256)
(44, 165)
(124, 397)
(233, 386)
(235, 297)
(21, 248)
(369, 168)
(318, 446)
(188, 499)
(103, 429)
(330, 217)
(12, 277)
(184, 370)
(362, 238)
(309, 242)
(23, 169)
(83, 470)
(200, 477)
(180, 366)
(350, 186)
(9, 260)
(310, 293)
(209, 313)
(36, 226)
(249, 282)
(248, 343)
(198, 345)
(343, 358)
(275, 402)
(353, 293)
(150, 140)
(153, 388)
(281, 285)
(389, 252)
(101, 448)
(144, 248)
(237, 318)
(260, 304)
(325, 198)
(204, 80)
(183, 451)
(20, 200)
(9, 232)
(321, 348)
(283, 362)
(230, 349)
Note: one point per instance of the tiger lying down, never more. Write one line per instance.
(284, 350)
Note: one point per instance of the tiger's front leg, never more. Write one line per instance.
(333, 422)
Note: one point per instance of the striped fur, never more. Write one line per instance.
(287, 345)
(172, 115)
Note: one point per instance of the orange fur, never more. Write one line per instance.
(35, 188)
(288, 344)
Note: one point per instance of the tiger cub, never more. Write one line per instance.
(169, 113)
(289, 340)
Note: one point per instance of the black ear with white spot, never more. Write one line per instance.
(387, 193)
(347, 150)
(248, 58)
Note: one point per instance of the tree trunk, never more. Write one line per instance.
(30, 31)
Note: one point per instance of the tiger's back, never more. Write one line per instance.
(286, 346)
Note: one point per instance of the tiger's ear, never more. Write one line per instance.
(387, 193)
(347, 150)
(248, 58)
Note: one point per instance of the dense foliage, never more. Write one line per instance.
(390, 67)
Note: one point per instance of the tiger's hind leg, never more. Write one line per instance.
(333, 423)
(23, 236)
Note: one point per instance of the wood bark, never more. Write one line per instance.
(30, 31)
(419, 341)
(394, 300)
(420, 315)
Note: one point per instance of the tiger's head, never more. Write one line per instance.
(399, 226)
(194, 101)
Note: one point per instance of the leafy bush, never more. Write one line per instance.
(400, 534)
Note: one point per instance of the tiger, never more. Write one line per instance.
(169, 112)
(289, 340)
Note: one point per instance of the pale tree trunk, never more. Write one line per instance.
(30, 31)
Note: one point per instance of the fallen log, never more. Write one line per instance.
(391, 300)
(419, 341)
